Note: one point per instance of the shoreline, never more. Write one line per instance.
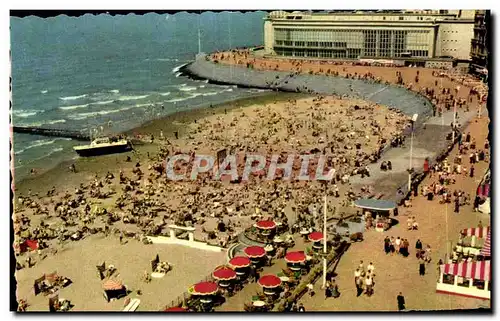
(176, 121)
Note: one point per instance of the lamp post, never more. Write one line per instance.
(410, 169)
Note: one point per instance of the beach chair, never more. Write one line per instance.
(133, 305)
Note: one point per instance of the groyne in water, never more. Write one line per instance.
(76, 135)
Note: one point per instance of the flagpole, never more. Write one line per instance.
(324, 243)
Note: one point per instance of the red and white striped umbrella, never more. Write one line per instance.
(205, 288)
(239, 262)
(265, 225)
(316, 236)
(111, 285)
(255, 251)
(486, 250)
(224, 274)
(295, 257)
(269, 281)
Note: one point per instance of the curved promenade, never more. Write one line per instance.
(397, 97)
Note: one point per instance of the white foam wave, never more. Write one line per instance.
(178, 74)
(165, 94)
(82, 116)
(105, 102)
(36, 143)
(73, 97)
(211, 93)
(167, 59)
(176, 100)
(25, 112)
(44, 91)
(125, 98)
(202, 86)
(55, 150)
(187, 88)
(73, 107)
(114, 91)
(229, 89)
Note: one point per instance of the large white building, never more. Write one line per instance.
(421, 34)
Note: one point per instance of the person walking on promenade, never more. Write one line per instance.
(369, 285)
(387, 245)
(401, 302)
(391, 245)
(301, 308)
(421, 267)
(359, 286)
(457, 205)
(472, 171)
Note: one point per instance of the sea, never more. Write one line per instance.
(103, 73)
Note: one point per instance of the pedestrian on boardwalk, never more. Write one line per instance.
(401, 302)
(301, 308)
(359, 286)
(369, 286)
(421, 267)
(370, 268)
(387, 245)
(472, 171)
(391, 245)
(457, 205)
(418, 246)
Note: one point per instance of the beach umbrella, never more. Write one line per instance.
(316, 236)
(175, 309)
(255, 251)
(205, 288)
(265, 225)
(224, 274)
(269, 281)
(295, 257)
(238, 262)
(110, 285)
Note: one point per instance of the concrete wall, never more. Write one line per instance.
(454, 39)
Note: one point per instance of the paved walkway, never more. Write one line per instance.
(438, 224)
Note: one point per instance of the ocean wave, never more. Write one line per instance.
(229, 89)
(125, 98)
(104, 102)
(36, 143)
(211, 93)
(44, 91)
(114, 91)
(25, 112)
(73, 97)
(73, 107)
(55, 150)
(187, 88)
(165, 94)
(202, 86)
(178, 74)
(45, 122)
(176, 100)
(82, 116)
(167, 59)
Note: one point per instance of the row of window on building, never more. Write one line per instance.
(347, 53)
